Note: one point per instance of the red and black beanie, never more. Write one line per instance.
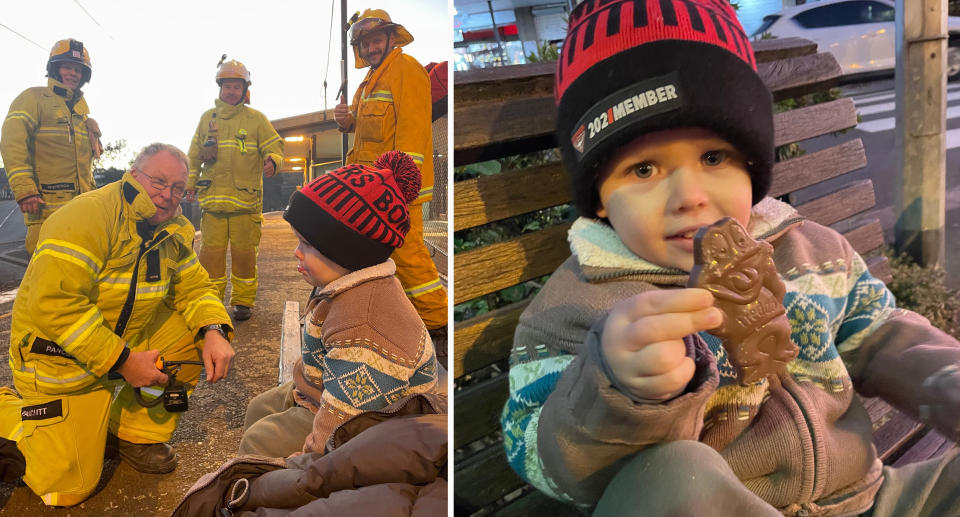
(629, 67)
(357, 215)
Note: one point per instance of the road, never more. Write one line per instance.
(13, 257)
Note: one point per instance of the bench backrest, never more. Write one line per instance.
(505, 111)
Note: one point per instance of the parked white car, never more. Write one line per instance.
(859, 33)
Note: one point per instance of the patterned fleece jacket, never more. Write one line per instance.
(364, 348)
(800, 441)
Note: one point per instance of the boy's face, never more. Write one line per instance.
(661, 187)
(315, 267)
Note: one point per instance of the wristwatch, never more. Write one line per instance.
(216, 326)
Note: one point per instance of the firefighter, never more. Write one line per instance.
(114, 284)
(391, 110)
(48, 141)
(233, 147)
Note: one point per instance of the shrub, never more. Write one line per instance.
(924, 290)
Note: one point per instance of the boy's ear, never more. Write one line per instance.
(601, 210)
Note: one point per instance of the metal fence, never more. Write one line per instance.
(435, 212)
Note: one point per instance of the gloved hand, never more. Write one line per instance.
(208, 154)
(93, 134)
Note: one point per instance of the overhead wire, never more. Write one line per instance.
(326, 68)
(30, 40)
(92, 18)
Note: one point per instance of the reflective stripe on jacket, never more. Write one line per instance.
(44, 143)
(77, 290)
(245, 139)
(392, 110)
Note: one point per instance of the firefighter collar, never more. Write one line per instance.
(137, 198)
(374, 74)
(61, 90)
(228, 111)
(141, 207)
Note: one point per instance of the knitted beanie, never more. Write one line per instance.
(357, 215)
(630, 67)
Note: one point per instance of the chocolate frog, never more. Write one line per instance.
(740, 273)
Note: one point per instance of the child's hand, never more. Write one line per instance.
(643, 340)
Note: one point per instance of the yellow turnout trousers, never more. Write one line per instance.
(242, 233)
(62, 437)
(418, 274)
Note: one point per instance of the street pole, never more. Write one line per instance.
(921, 84)
(496, 34)
(343, 73)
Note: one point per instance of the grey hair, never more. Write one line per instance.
(155, 148)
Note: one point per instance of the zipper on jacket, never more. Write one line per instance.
(127, 310)
(131, 295)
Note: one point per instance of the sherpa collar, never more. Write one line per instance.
(355, 278)
(602, 255)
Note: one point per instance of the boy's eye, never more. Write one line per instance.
(643, 170)
(714, 158)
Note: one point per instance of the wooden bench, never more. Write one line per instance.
(510, 110)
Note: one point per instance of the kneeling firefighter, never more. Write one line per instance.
(114, 284)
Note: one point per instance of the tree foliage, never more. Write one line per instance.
(114, 153)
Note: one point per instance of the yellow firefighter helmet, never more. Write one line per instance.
(69, 51)
(232, 69)
(376, 20)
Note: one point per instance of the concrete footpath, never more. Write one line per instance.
(210, 430)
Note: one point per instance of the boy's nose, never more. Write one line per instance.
(687, 192)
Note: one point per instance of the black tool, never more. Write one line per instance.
(174, 396)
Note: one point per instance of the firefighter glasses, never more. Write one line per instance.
(177, 189)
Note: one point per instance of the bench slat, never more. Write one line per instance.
(893, 435)
(486, 339)
(485, 477)
(467, 81)
(477, 409)
(835, 207)
(796, 173)
(290, 341)
(932, 444)
(504, 264)
(509, 193)
(781, 48)
(796, 76)
(866, 237)
(514, 126)
(813, 121)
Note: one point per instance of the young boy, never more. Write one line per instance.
(620, 402)
(365, 348)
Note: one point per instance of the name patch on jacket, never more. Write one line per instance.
(46, 347)
(617, 110)
(51, 409)
(56, 186)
